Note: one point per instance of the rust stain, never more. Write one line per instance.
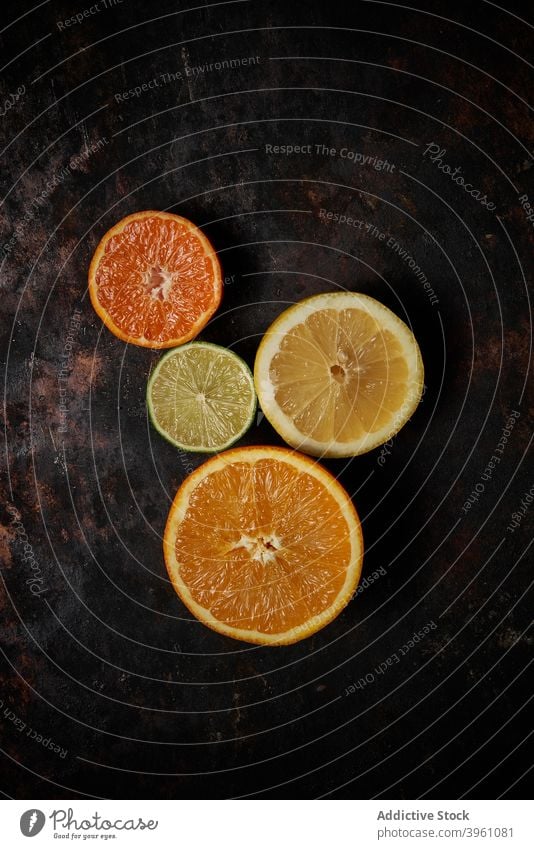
(85, 372)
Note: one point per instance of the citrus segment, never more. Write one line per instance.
(201, 397)
(338, 374)
(155, 280)
(263, 545)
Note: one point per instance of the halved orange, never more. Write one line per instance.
(155, 280)
(264, 545)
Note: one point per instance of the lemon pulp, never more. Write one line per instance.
(201, 397)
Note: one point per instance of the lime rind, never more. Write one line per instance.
(221, 351)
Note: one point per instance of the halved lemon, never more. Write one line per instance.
(155, 279)
(264, 545)
(338, 374)
(201, 397)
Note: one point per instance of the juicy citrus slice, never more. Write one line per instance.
(155, 280)
(263, 545)
(201, 397)
(338, 374)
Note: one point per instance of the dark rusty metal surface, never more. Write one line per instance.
(108, 688)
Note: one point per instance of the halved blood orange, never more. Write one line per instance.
(155, 280)
(264, 545)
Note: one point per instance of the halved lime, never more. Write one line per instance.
(201, 397)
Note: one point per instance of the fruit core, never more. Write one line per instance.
(337, 372)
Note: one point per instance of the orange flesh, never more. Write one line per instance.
(155, 279)
(338, 375)
(263, 546)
